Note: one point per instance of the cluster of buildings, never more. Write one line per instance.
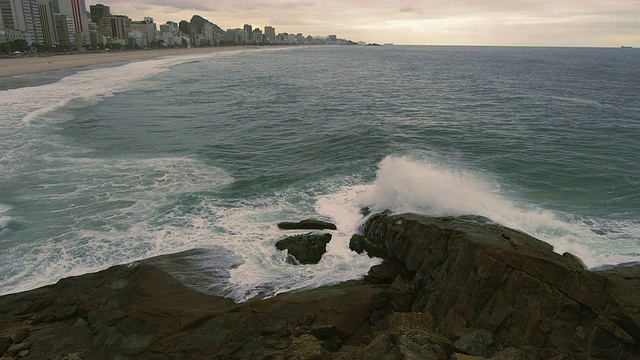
(68, 24)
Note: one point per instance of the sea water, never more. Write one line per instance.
(119, 163)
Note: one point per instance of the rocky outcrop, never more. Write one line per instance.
(305, 248)
(471, 273)
(307, 224)
(455, 288)
(142, 312)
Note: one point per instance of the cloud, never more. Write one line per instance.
(197, 5)
(491, 22)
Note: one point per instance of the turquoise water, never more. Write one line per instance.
(117, 164)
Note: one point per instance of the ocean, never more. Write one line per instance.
(119, 163)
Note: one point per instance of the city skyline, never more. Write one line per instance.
(426, 22)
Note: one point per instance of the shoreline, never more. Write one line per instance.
(34, 65)
(448, 288)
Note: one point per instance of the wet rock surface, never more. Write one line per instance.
(464, 288)
(307, 224)
(305, 248)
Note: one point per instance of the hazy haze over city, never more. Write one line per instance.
(425, 22)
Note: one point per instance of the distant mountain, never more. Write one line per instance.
(198, 22)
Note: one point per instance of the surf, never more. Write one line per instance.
(423, 186)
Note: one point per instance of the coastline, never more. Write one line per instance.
(448, 288)
(33, 65)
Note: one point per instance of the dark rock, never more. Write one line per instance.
(509, 354)
(459, 356)
(360, 244)
(64, 313)
(478, 343)
(16, 348)
(164, 319)
(402, 294)
(628, 271)
(321, 332)
(306, 347)
(307, 224)
(18, 334)
(5, 342)
(384, 273)
(377, 348)
(413, 351)
(436, 345)
(333, 344)
(402, 322)
(379, 301)
(467, 273)
(574, 261)
(306, 248)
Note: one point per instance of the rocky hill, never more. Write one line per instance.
(449, 288)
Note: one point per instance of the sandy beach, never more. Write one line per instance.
(32, 65)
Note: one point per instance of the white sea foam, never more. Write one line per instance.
(252, 233)
(105, 212)
(410, 185)
(24, 105)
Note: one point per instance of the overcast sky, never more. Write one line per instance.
(419, 22)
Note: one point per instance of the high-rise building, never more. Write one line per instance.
(185, 27)
(270, 34)
(209, 32)
(98, 11)
(115, 27)
(65, 30)
(248, 29)
(143, 32)
(257, 36)
(6, 15)
(47, 20)
(238, 36)
(76, 11)
(27, 20)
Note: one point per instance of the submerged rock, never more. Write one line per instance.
(307, 224)
(306, 248)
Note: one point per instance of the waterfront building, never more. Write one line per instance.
(238, 36)
(142, 33)
(185, 27)
(21, 16)
(65, 29)
(257, 36)
(76, 11)
(209, 33)
(98, 11)
(6, 15)
(47, 21)
(96, 38)
(270, 34)
(170, 34)
(248, 30)
(115, 27)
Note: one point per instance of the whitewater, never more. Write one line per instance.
(117, 164)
